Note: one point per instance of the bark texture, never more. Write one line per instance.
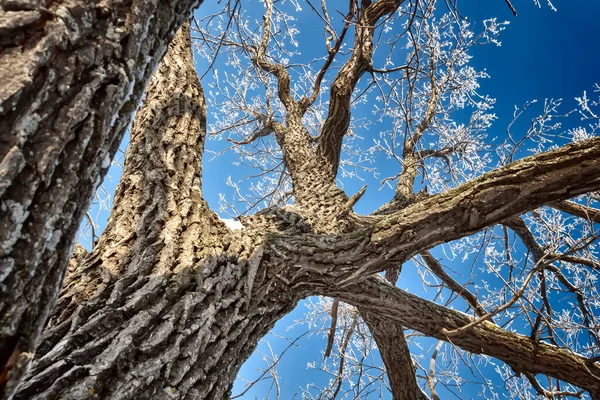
(169, 304)
(72, 73)
(338, 118)
(396, 356)
(380, 241)
(522, 353)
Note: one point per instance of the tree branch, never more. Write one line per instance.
(436, 267)
(539, 254)
(508, 191)
(306, 102)
(338, 117)
(520, 352)
(394, 351)
(259, 59)
(587, 213)
(406, 180)
(332, 328)
(490, 199)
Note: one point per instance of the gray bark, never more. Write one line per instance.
(522, 353)
(72, 73)
(169, 303)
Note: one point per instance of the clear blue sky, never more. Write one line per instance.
(544, 54)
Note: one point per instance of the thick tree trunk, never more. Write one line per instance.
(169, 303)
(72, 72)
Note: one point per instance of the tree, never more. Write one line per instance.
(171, 301)
(72, 74)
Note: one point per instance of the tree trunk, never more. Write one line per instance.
(72, 74)
(169, 303)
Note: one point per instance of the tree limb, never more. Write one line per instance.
(283, 78)
(338, 117)
(436, 267)
(306, 102)
(331, 335)
(394, 351)
(490, 199)
(520, 352)
(587, 213)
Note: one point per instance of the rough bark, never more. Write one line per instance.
(395, 353)
(165, 257)
(338, 118)
(72, 73)
(522, 353)
(169, 303)
(492, 198)
(318, 200)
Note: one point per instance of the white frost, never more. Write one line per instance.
(106, 161)
(233, 224)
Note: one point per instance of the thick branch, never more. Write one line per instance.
(394, 351)
(492, 198)
(406, 180)
(338, 117)
(512, 190)
(520, 352)
(164, 156)
(521, 229)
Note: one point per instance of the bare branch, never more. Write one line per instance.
(306, 102)
(338, 118)
(517, 295)
(344, 346)
(283, 78)
(331, 335)
(271, 367)
(520, 352)
(396, 357)
(436, 267)
(587, 213)
(431, 375)
(512, 8)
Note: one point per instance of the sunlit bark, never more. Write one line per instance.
(169, 303)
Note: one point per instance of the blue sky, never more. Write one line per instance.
(544, 54)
